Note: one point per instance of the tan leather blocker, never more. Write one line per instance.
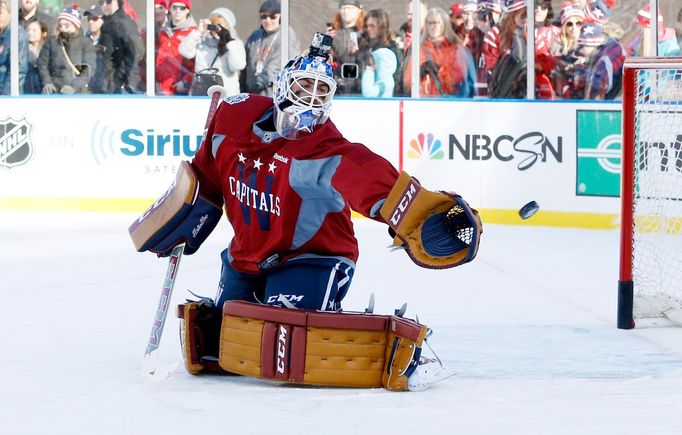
(318, 348)
(438, 229)
(173, 205)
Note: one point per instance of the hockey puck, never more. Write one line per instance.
(529, 210)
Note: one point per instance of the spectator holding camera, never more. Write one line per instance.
(173, 71)
(216, 49)
(67, 60)
(349, 61)
(263, 48)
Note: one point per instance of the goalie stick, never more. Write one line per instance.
(152, 367)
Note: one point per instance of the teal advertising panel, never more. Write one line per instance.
(598, 147)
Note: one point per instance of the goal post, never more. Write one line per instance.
(650, 277)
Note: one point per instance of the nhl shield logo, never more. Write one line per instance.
(15, 142)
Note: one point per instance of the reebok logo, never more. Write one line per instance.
(281, 158)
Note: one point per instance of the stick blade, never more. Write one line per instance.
(154, 370)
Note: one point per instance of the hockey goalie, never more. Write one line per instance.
(287, 180)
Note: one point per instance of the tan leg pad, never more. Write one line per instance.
(318, 348)
(189, 340)
(196, 333)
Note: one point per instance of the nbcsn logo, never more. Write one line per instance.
(425, 147)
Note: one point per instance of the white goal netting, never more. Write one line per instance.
(657, 203)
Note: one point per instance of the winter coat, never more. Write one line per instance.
(171, 66)
(602, 77)
(121, 40)
(5, 81)
(54, 67)
(204, 51)
(445, 69)
(265, 49)
(102, 81)
(379, 81)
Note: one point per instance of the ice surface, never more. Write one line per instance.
(529, 326)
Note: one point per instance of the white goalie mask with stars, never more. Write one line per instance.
(303, 93)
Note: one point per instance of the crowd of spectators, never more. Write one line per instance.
(473, 48)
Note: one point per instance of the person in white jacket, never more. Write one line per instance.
(215, 44)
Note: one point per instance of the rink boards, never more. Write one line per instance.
(110, 154)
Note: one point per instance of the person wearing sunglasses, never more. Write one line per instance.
(121, 39)
(263, 48)
(564, 47)
(174, 72)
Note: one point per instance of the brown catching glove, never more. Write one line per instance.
(438, 229)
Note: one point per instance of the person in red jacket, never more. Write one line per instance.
(173, 72)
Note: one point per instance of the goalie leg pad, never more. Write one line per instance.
(198, 338)
(438, 229)
(318, 348)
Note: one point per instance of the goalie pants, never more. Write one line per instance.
(307, 282)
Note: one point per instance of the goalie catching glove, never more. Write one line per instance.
(180, 215)
(438, 229)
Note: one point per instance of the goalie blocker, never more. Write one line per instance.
(180, 215)
(304, 347)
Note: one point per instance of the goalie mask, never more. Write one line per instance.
(303, 91)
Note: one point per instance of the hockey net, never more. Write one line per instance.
(650, 282)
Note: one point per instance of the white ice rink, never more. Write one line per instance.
(529, 326)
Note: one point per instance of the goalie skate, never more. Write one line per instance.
(428, 372)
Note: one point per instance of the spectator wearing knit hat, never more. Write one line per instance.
(599, 72)
(640, 45)
(572, 18)
(263, 48)
(565, 45)
(173, 71)
(215, 45)
(67, 60)
(124, 45)
(598, 11)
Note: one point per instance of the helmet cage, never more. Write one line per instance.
(303, 95)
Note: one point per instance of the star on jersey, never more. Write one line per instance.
(272, 167)
(241, 157)
(257, 164)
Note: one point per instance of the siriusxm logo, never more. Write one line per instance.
(133, 142)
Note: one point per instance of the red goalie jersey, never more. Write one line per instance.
(287, 197)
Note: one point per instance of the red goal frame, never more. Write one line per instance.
(625, 318)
